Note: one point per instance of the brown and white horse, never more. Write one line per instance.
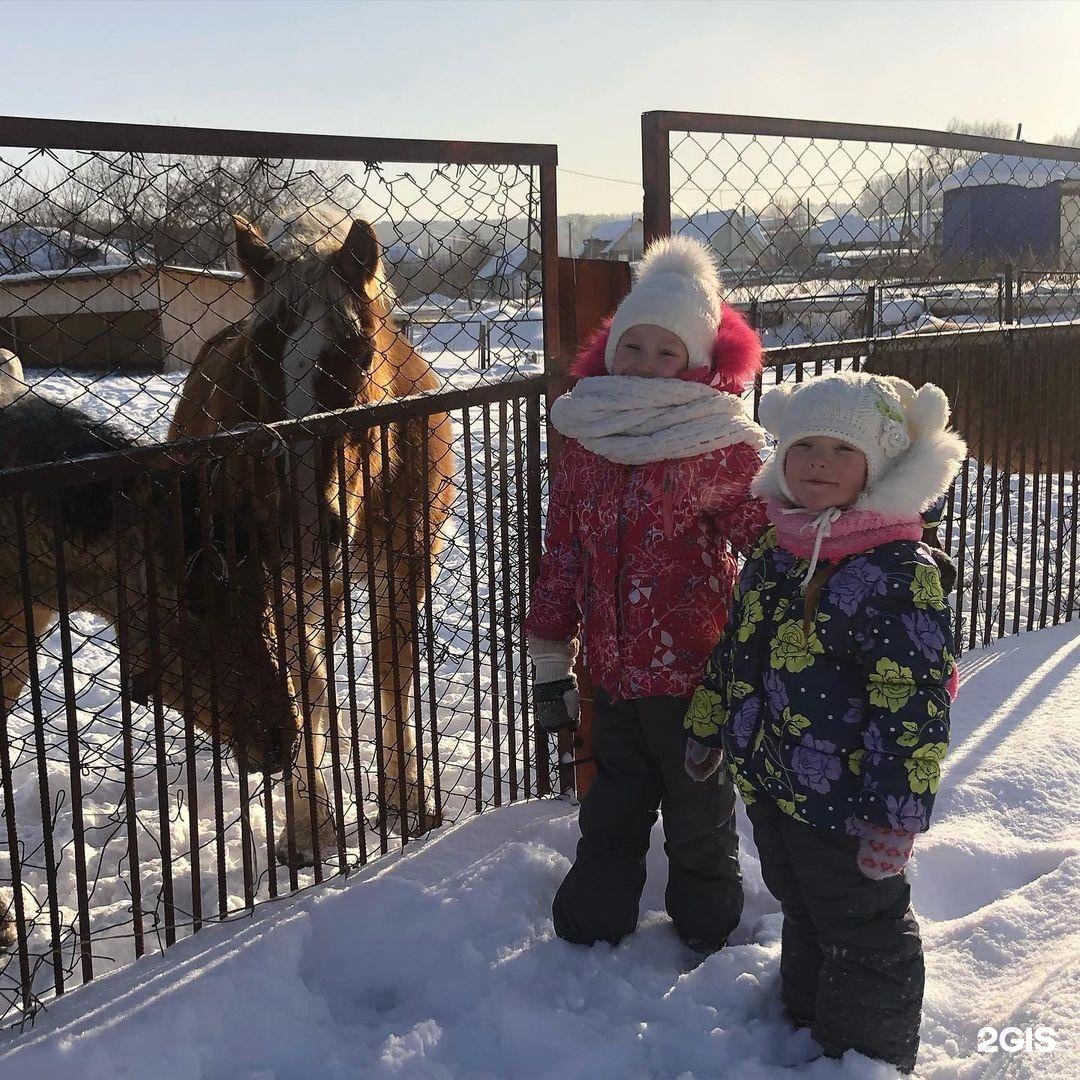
(319, 338)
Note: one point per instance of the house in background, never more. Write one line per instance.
(736, 236)
(73, 302)
(513, 273)
(621, 240)
(1002, 209)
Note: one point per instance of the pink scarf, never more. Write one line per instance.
(835, 534)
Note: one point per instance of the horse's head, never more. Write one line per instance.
(209, 643)
(320, 305)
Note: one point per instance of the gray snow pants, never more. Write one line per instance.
(638, 747)
(851, 965)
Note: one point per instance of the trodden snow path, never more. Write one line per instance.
(441, 963)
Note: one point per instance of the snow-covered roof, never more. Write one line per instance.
(1006, 169)
(29, 249)
(505, 263)
(853, 230)
(743, 224)
(610, 232)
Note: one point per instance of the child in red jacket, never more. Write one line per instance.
(650, 498)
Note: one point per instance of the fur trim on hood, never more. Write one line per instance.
(736, 355)
(921, 475)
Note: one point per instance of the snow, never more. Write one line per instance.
(1009, 169)
(440, 962)
(28, 249)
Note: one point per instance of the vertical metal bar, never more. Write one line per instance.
(429, 617)
(493, 617)
(1071, 427)
(270, 469)
(19, 913)
(1021, 504)
(507, 626)
(1047, 364)
(392, 621)
(965, 379)
(549, 247)
(1058, 442)
(996, 360)
(247, 846)
(347, 556)
(1012, 432)
(413, 599)
(378, 676)
(474, 604)
(522, 565)
(870, 314)
(655, 177)
(329, 627)
(977, 368)
(209, 555)
(179, 574)
(47, 825)
(299, 589)
(532, 444)
(1036, 481)
(74, 764)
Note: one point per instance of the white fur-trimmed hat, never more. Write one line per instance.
(911, 457)
(676, 287)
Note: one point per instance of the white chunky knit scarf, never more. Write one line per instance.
(634, 421)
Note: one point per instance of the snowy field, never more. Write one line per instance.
(440, 964)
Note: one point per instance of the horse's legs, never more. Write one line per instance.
(396, 613)
(15, 649)
(308, 675)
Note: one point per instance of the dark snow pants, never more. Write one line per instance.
(638, 747)
(851, 965)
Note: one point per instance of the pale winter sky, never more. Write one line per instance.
(578, 74)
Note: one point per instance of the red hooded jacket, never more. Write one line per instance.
(638, 558)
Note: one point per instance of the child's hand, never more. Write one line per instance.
(558, 705)
(701, 761)
(883, 852)
(555, 691)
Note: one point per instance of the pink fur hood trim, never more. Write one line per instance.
(736, 355)
(853, 532)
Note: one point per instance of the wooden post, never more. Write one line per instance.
(589, 291)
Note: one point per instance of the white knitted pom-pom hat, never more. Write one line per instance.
(677, 287)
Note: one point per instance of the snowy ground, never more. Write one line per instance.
(441, 963)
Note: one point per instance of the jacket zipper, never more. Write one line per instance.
(668, 510)
(585, 616)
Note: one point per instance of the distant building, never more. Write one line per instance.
(736, 236)
(511, 274)
(621, 240)
(73, 302)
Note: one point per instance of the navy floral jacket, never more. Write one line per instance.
(848, 721)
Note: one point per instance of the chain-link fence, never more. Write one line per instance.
(930, 255)
(271, 455)
(827, 231)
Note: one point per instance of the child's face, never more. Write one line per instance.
(649, 352)
(822, 472)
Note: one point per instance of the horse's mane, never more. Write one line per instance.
(321, 231)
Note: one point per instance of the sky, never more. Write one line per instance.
(577, 74)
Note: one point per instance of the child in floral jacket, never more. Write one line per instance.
(830, 694)
(650, 498)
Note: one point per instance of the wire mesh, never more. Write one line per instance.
(933, 256)
(271, 451)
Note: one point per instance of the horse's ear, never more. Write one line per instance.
(254, 253)
(358, 261)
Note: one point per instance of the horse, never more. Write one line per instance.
(110, 548)
(319, 338)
